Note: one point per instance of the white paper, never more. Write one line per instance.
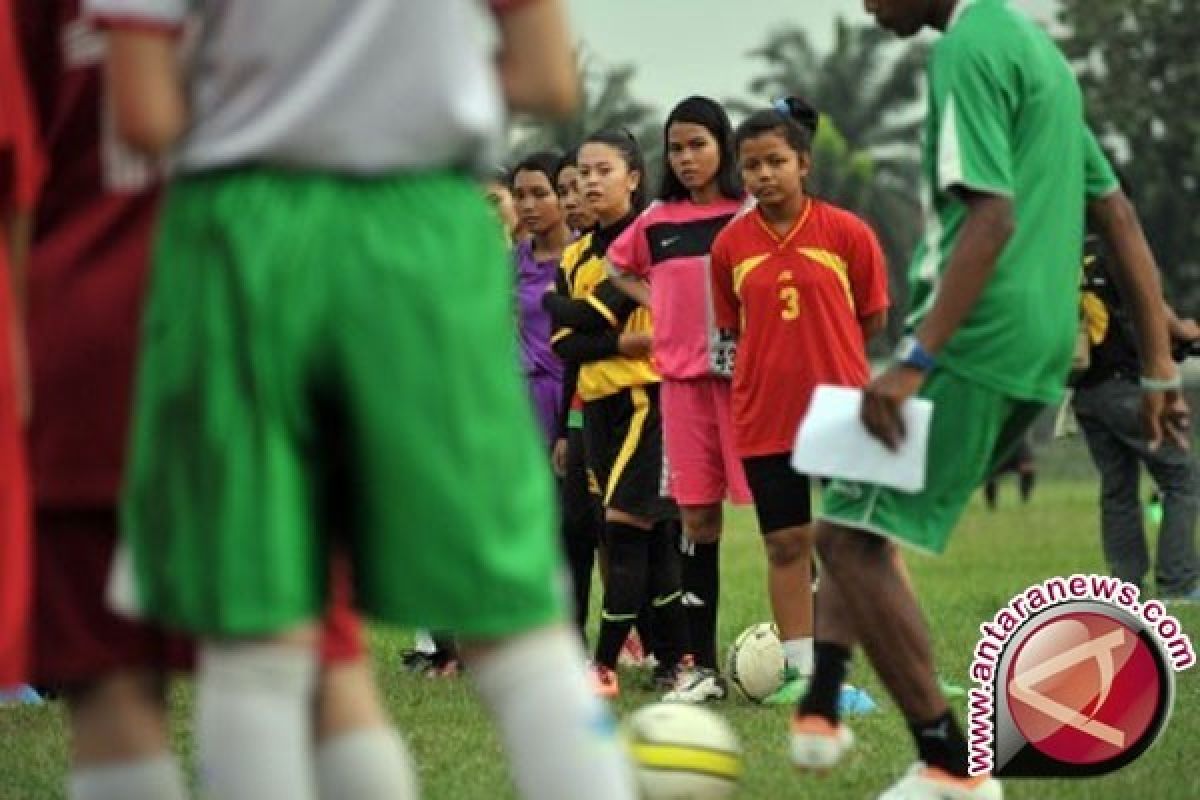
(832, 442)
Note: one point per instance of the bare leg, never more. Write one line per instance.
(358, 754)
(120, 717)
(789, 580)
(883, 611)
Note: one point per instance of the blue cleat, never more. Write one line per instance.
(21, 696)
(854, 701)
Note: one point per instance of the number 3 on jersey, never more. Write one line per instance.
(789, 298)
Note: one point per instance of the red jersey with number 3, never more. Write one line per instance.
(797, 303)
(88, 264)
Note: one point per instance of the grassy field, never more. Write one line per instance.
(993, 556)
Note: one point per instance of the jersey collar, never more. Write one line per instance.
(781, 241)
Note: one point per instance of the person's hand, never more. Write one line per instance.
(1166, 415)
(1187, 330)
(882, 400)
(558, 458)
(635, 345)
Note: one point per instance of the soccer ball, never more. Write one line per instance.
(755, 662)
(683, 752)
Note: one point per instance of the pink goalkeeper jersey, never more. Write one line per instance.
(669, 244)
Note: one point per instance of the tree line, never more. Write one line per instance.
(1136, 63)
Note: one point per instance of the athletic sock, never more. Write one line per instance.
(445, 649)
(1027, 480)
(701, 590)
(154, 778)
(665, 580)
(561, 739)
(254, 721)
(940, 743)
(626, 591)
(371, 764)
(822, 698)
(798, 653)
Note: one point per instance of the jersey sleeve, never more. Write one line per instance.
(630, 253)
(867, 271)
(973, 115)
(1099, 178)
(164, 15)
(725, 302)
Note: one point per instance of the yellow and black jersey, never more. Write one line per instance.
(1108, 324)
(590, 314)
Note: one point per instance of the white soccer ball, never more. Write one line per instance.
(683, 752)
(755, 662)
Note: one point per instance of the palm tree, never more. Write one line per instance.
(866, 156)
(606, 102)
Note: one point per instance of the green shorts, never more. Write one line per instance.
(330, 364)
(973, 429)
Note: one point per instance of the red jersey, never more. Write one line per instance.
(88, 263)
(797, 303)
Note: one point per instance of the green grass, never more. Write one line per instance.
(992, 557)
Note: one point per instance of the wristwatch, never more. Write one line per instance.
(910, 353)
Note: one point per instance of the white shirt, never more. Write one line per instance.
(352, 86)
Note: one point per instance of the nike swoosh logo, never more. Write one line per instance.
(669, 242)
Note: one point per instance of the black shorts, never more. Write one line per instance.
(623, 437)
(781, 495)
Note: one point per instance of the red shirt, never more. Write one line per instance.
(797, 303)
(88, 263)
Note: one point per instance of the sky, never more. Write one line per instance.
(683, 47)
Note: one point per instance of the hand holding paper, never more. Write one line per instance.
(833, 443)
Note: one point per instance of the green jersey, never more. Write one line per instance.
(1006, 117)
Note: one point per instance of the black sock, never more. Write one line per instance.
(646, 625)
(628, 575)
(1027, 481)
(940, 743)
(829, 673)
(672, 641)
(702, 586)
(989, 493)
(446, 649)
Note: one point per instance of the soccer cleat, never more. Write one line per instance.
(950, 691)
(447, 668)
(665, 679)
(817, 743)
(604, 682)
(697, 686)
(794, 686)
(853, 701)
(20, 696)
(632, 653)
(929, 783)
(415, 660)
(438, 664)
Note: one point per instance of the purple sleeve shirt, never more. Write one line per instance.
(543, 370)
